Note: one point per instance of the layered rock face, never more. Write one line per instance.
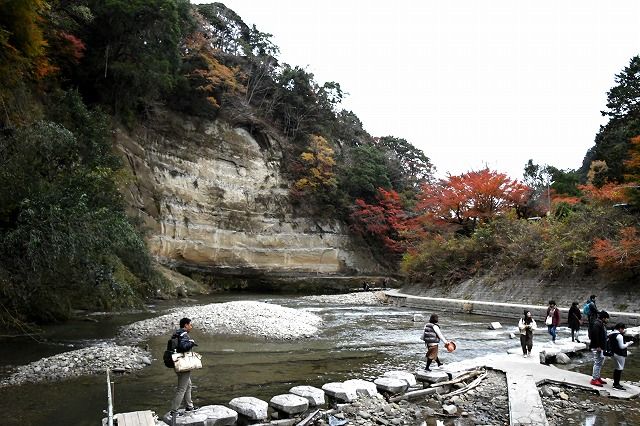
(214, 199)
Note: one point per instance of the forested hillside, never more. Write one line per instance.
(74, 72)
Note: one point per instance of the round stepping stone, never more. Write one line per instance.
(402, 375)
(314, 395)
(339, 391)
(218, 415)
(362, 387)
(390, 385)
(253, 408)
(289, 403)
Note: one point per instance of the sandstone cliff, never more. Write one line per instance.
(213, 196)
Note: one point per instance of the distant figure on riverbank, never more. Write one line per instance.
(432, 336)
(553, 319)
(385, 283)
(592, 312)
(574, 318)
(365, 286)
(183, 390)
(598, 336)
(619, 349)
(526, 325)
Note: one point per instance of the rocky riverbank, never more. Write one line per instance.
(80, 362)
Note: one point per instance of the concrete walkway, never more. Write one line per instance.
(525, 374)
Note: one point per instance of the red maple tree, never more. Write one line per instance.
(384, 220)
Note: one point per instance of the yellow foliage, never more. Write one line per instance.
(319, 156)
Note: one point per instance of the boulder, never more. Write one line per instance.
(362, 387)
(418, 318)
(390, 385)
(253, 408)
(563, 359)
(402, 375)
(339, 391)
(191, 419)
(314, 395)
(432, 376)
(289, 403)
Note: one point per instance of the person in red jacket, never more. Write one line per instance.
(553, 319)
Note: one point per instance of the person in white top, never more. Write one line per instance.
(619, 349)
(526, 325)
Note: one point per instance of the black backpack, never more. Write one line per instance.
(172, 347)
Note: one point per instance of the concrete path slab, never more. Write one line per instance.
(525, 404)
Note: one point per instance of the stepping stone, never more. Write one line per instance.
(362, 387)
(253, 408)
(402, 375)
(432, 376)
(289, 403)
(314, 395)
(190, 419)
(218, 415)
(495, 326)
(390, 385)
(340, 391)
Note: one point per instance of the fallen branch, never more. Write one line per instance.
(470, 386)
(461, 378)
(412, 395)
(308, 419)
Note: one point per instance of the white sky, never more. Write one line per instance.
(471, 83)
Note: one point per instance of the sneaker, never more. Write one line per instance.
(618, 386)
(596, 382)
(192, 408)
(524, 356)
(602, 381)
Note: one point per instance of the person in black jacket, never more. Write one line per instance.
(574, 319)
(598, 344)
(183, 391)
(619, 349)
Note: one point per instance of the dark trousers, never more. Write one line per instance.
(526, 341)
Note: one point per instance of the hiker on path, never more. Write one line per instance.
(574, 319)
(526, 325)
(432, 336)
(183, 391)
(598, 335)
(553, 319)
(619, 349)
(592, 311)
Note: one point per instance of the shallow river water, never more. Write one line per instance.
(354, 342)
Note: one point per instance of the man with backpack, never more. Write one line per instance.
(183, 391)
(619, 349)
(598, 344)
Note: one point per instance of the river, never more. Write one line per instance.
(354, 342)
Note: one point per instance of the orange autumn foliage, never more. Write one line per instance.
(622, 254)
(385, 220)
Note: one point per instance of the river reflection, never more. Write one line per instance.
(355, 342)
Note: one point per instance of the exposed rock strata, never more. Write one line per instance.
(214, 198)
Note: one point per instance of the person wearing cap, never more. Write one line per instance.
(598, 333)
(619, 349)
(432, 336)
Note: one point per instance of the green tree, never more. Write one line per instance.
(363, 172)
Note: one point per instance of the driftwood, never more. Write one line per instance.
(461, 378)
(470, 386)
(308, 419)
(412, 395)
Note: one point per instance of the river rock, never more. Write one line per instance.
(289, 403)
(191, 419)
(402, 375)
(390, 385)
(362, 387)
(495, 325)
(563, 359)
(314, 395)
(418, 318)
(339, 391)
(253, 408)
(449, 409)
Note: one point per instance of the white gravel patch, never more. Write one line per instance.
(242, 317)
(358, 298)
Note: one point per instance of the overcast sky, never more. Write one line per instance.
(470, 82)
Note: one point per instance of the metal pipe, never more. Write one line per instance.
(109, 402)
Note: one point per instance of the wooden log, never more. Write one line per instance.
(308, 419)
(412, 395)
(461, 378)
(470, 386)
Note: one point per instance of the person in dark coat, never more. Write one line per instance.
(619, 349)
(598, 344)
(574, 319)
(592, 314)
(183, 391)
